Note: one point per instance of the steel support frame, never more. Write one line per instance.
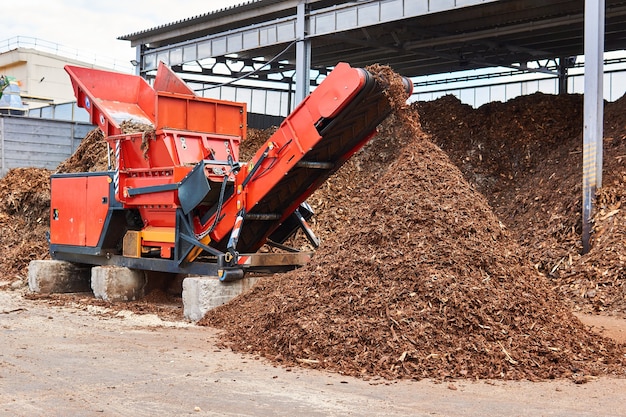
(593, 113)
(303, 53)
(564, 64)
(316, 23)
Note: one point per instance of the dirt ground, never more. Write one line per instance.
(94, 361)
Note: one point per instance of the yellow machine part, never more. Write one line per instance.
(132, 244)
(196, 251)
(133, 239)
(158, 234)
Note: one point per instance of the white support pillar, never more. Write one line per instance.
(137, 61)
(593, 111)
(303, 53)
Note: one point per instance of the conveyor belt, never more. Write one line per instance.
(341, 136)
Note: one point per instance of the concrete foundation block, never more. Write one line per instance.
(51, 276)
(116, 283)
(204, 293)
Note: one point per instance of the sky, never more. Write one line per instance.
(90, 28)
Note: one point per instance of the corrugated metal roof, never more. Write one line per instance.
(216, 14)
(439, 36)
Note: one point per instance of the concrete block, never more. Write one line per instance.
(204, 293)
(116, 283)
(51, 276)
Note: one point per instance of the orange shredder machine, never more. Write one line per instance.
(177, 199)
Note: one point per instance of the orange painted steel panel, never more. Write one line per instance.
(97, 206)
(188, 146)
(158, 216)
(111, 97)
(79, 205)
(198, 114)
(67, 210)
(167, 80)
(171, 111)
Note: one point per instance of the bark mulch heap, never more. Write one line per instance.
(416, 278)
(253, 142)
(526, 157)
(24, 220)
(90, 156)
(597, 281)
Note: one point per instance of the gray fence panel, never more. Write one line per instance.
(38, 143)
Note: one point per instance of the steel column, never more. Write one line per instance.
(562, 71)
(303, 53)
(138, 60)
(593, 111)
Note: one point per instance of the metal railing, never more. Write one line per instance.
(63, 111)
(71, 53)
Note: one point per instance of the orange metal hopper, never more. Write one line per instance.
(111, 98)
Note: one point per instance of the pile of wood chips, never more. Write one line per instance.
(90, 156)
(525, 156)
(24, 221)
(256, 138)
(416, 278)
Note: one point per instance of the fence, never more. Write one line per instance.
(39, 143)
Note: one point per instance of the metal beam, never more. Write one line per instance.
(565, 63)
(593, 111)
(303, 53)
(339, 18)
(506, 30)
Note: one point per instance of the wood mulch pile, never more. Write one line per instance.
(525, 156)
(24, 221)
(597, 280)
(90, 156)
(253, 142)
(416, 277)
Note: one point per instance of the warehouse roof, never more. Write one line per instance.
(415, 37)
